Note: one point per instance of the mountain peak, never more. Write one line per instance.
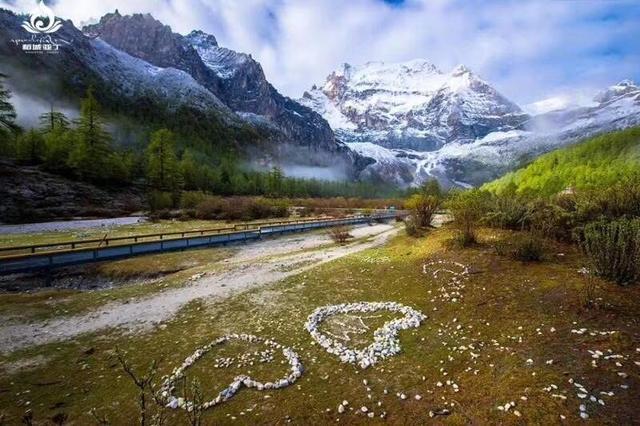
(460, 70)
(627, 83)
(200, 38)
(623, 88)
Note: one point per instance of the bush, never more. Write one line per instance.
(529, 248)
(340, 234)
(240, 208)
(617, 200)
(614, 249)
(410, 227)
(501, 247)
(468, 209)
(423, 207)
(159, 200)
(191, 199)
(507, 210)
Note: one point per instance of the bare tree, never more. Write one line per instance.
(147, 392)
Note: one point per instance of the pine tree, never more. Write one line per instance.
(59, 145)
(275, 181)
(30, 148)
(163, 171)
(90, 155)
(190, 170)
(53, 120)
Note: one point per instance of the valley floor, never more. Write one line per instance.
(497, 333)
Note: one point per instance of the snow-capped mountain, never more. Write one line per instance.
(136, 63)
(411, 105)
(417, 122)
(236, 78)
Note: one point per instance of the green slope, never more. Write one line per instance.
(594, 163)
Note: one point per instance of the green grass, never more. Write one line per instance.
(7, 240)
(504, 304)
(594, 163)
(134, 277)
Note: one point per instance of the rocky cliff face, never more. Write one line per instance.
(144, 37)
(235, 78)
(30, 194)
(137, 61)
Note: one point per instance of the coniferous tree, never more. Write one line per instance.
(163, 171)
(30, 147)
(90, 155)
(53, 120)
(59, 145)
(275, 181)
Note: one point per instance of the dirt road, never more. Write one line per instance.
(259, 263)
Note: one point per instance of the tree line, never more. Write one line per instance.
(83, 149)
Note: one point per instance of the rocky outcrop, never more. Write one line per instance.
(30, 194)
(135, 64)
(235, 78)
(144, 37)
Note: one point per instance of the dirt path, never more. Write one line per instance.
(69, 225)
(253, 266)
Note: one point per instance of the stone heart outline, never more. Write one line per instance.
(427, 267)
(168, 385)
(385, 339)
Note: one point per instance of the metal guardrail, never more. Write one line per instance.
(75, 256)
(74, 244)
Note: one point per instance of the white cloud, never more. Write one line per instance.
(529, 50)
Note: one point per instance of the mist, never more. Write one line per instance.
(315, 172)
(29, 108)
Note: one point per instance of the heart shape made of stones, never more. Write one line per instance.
(385, 339)
(167, 388)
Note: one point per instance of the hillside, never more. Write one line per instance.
(145, 76)
(594, 163)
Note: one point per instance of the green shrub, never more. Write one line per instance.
(507, 210)
(410, 227)
(240, 208)
(159, 200)
(191, 199)
(529, 248)
(423, 208)
(617, 200)
(468, 209)
(614, 249)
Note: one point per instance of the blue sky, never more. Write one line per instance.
(529, 50)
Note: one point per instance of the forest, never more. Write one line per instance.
(595, 163)
(170, 162)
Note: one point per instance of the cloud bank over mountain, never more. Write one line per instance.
(530, 50)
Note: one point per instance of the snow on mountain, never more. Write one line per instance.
(410, 105)
(132, 77)
(616, 108)
(417, 122)
(224, 62)
(235, 78)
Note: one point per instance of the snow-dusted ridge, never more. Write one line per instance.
(418, 122)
